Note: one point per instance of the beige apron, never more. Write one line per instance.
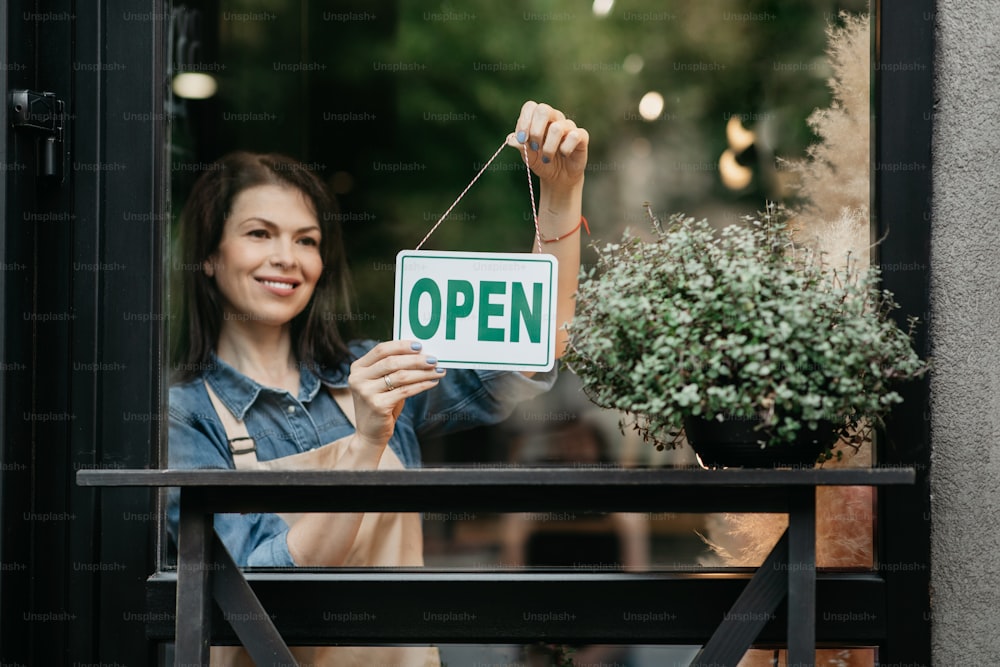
(384, 540)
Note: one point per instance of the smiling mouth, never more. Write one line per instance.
(277, 284)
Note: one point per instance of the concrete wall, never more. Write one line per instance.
(965, 330)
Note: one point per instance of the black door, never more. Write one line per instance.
(81, 327)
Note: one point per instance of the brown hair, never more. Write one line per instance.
(316, 340)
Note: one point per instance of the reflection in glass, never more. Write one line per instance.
(396, 105)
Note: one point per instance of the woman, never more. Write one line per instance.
(257, 344)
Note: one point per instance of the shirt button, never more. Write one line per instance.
(291, 409)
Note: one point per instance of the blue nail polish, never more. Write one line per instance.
(439, 370)
(416, 345)
(432, 360)
(534, 145)
(545, 159)
(521, 136)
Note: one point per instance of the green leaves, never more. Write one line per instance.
(735, 323)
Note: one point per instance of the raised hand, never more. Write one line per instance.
(557, 148)
(382, 380)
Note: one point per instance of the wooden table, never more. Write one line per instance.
(206, 569)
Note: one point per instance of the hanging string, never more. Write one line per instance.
(531, 194)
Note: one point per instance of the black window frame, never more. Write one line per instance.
(119, 416)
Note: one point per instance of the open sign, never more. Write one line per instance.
(478, 310)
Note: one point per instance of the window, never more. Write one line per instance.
(688, 108)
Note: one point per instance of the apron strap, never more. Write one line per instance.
(241, 445)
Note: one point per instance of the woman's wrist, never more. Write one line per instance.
(368, 443)
(559, 211)
(560, 196)
(583, 223)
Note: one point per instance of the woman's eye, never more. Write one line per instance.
(258, 233)
(308, 240)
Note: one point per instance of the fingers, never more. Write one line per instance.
(556, 138)
(548, 131)
(541, 119)
(391, 356)
(533, 123)
(397, 395)
(382, 380)
(576, 139)
(393, 380)
(386, 349)
(394, 368)
(524, 122)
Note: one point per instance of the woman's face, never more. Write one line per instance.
(268, 261)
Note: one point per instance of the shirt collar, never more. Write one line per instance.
(238, 392)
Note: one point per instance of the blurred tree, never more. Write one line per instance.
(399, 104)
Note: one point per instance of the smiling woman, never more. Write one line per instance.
(266, 381)
(270, 242)
(255, 217)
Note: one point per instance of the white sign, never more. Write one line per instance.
(478, 310)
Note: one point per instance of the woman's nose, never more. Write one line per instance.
(283, 253)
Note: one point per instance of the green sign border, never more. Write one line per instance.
(552, 291)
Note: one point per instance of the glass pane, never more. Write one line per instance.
(839, 657)
(540, 655)
(396, 106)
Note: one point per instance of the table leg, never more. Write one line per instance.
(750, 613)
(802, 579)
(193, 628)
(245, 613)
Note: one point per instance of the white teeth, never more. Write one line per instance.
(272, 283)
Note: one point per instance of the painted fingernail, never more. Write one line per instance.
(546, 159)
(432, 360)
(439, 370)
(416, 345)
(522, 136)
(534, 145)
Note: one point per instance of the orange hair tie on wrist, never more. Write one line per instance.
(583, 221)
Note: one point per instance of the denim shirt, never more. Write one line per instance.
(281, 425)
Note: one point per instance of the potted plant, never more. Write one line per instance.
(738, 336)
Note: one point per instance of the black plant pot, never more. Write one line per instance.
(736, 444)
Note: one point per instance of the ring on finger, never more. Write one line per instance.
(388, 383)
